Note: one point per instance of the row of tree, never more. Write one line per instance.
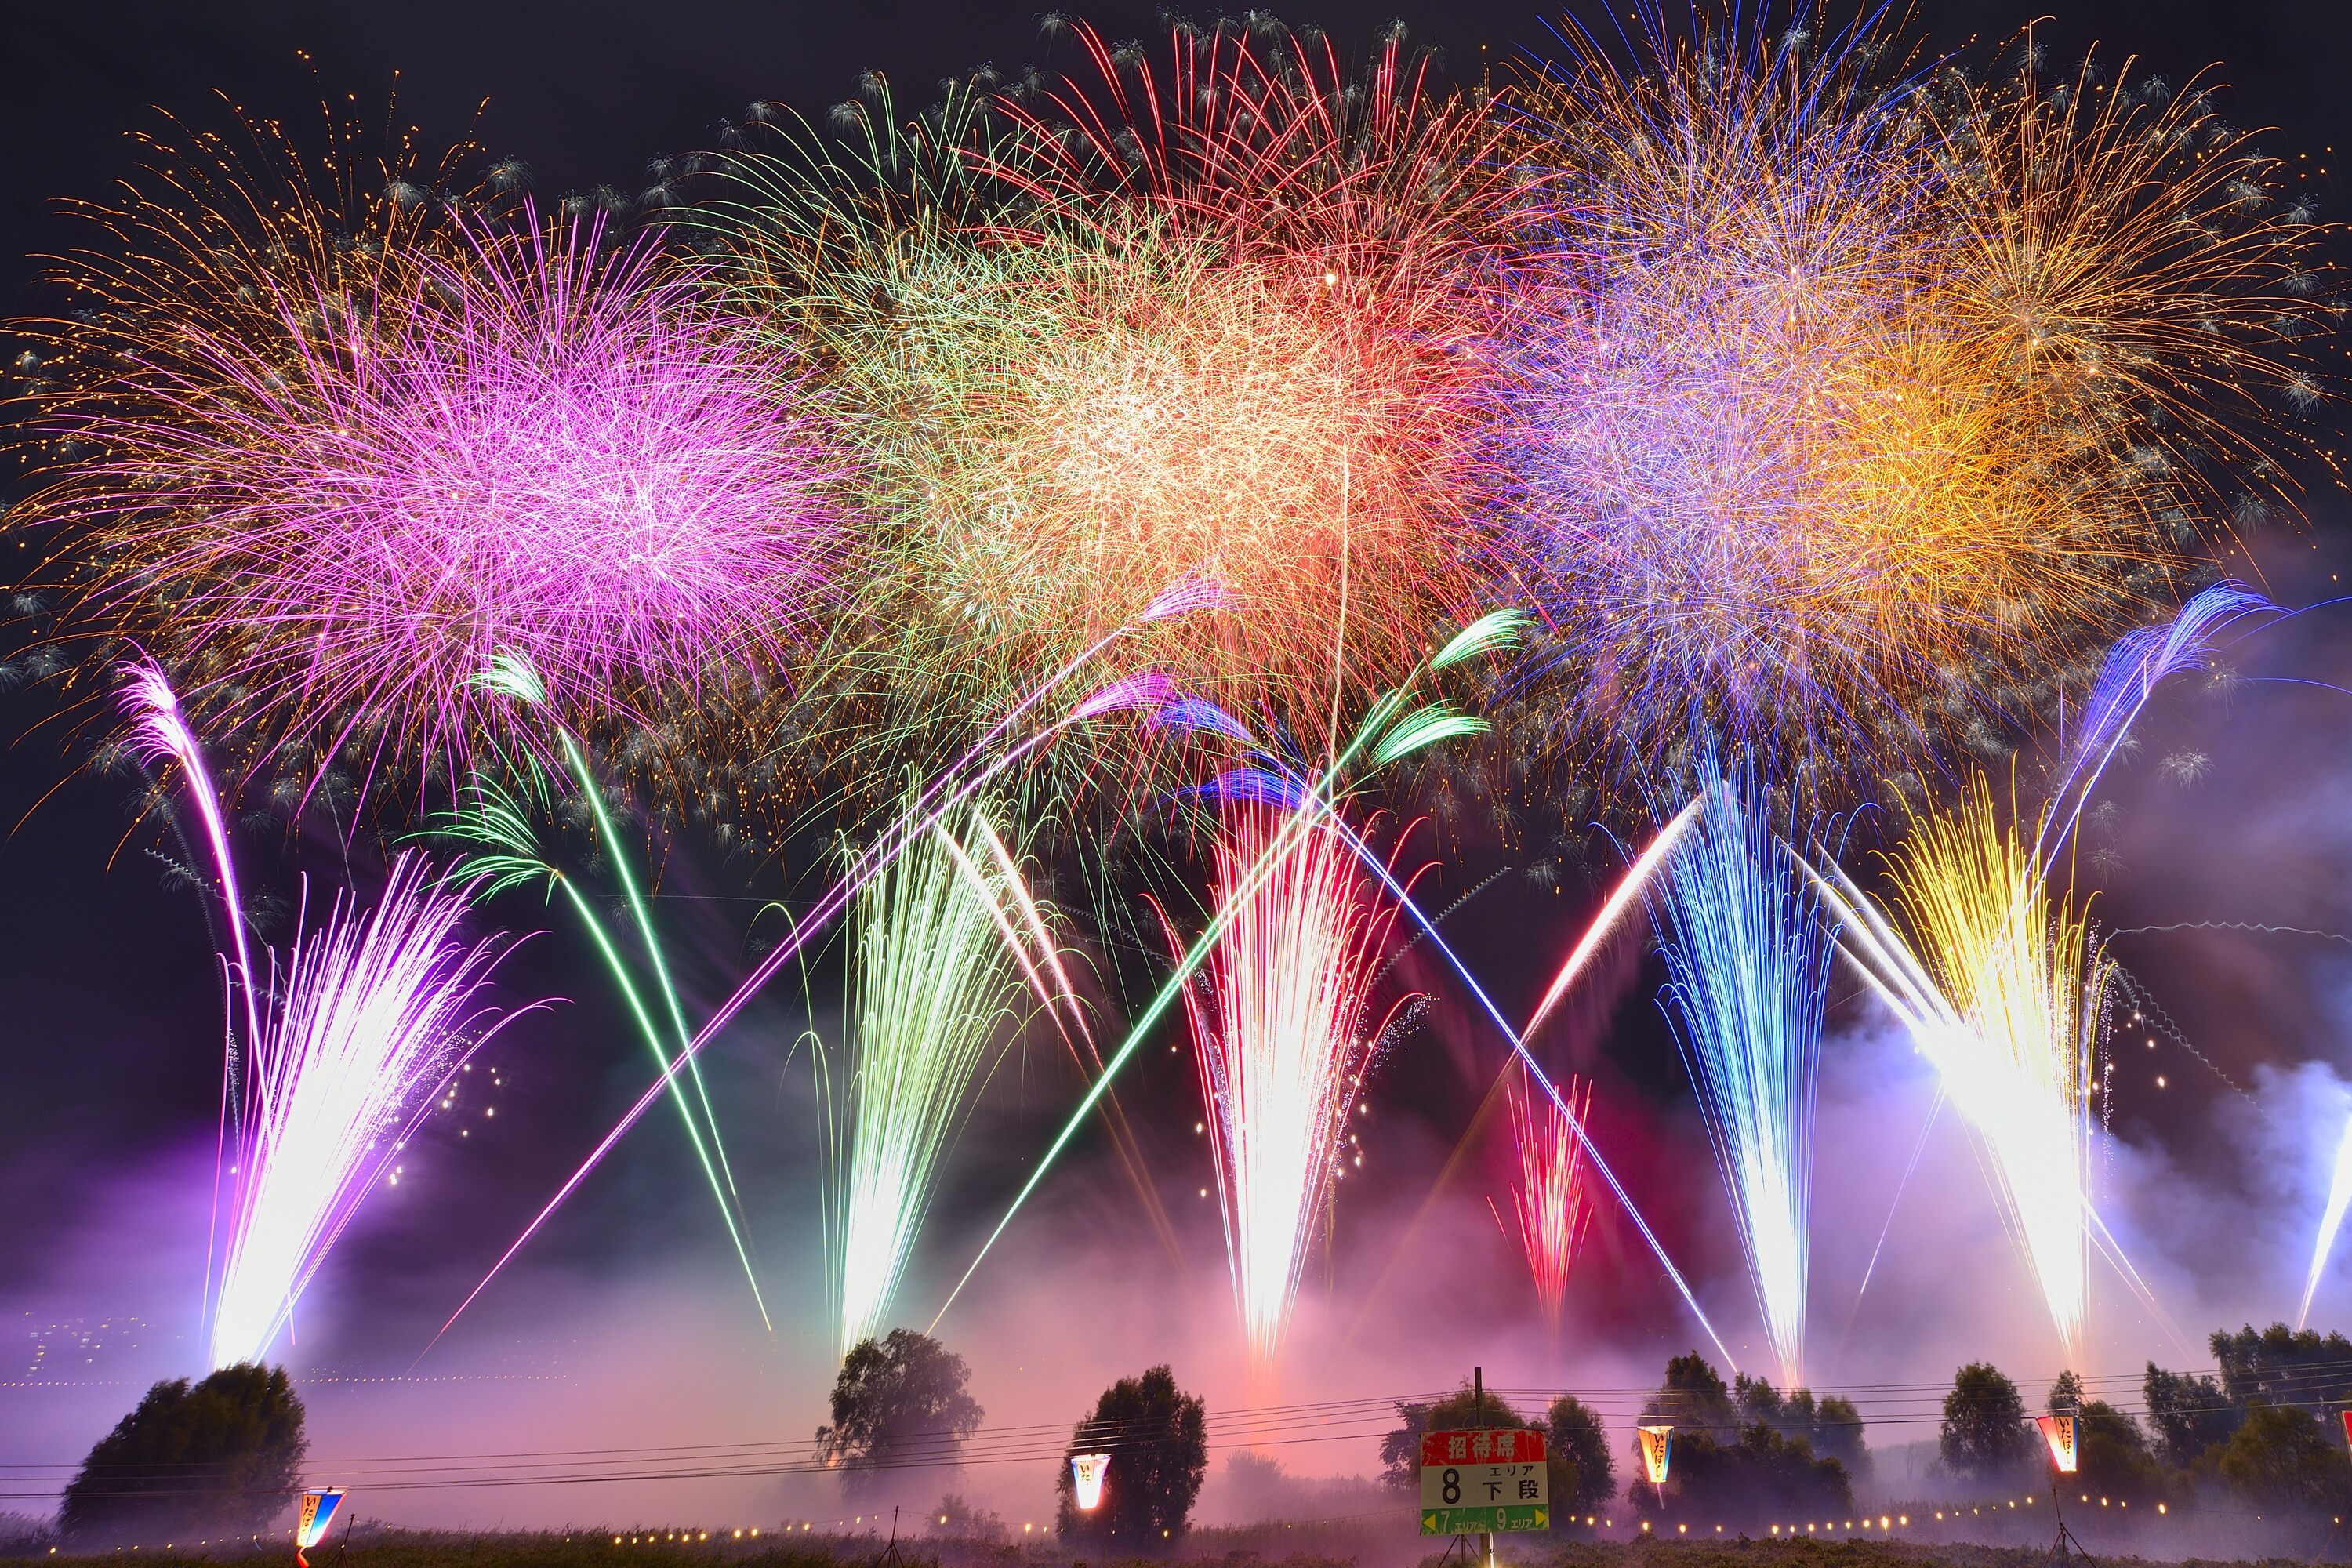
(905, 1401)
(224, 1456)
(1579, 1474)
(1742, 1450)
(2264, 1432)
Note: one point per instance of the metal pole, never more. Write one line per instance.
(1478, 1410)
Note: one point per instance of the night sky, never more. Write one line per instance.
(110, 997)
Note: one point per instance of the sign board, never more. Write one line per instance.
(1658, 1451)
(2058, 1431)
(316, 1515)
(1086, 1472)
(2347, 1425)
(1476, 1482)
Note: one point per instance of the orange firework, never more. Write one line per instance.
(1228, 345)
(1848, 417)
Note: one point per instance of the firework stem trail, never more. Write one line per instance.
(359, 1045)
(1312, 799)
(2331, 1221)
(1282, 1053)
(160, 728)
(513, 856)
(933, 981)
(1746, 965)
(895, 839)
(1548, 1196)
(2006, 1006)
(595, 799)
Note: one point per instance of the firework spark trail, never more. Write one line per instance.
(938, 962)
(2323, 1245)
(1548, 1196)
(1282, 1046)
(505, 853)
(1301, 795)
(942, 796)
(1747, 963)
(2006, 1003)
(2134, 666)
(364, 1036)
(1621, 898)
(159, 730)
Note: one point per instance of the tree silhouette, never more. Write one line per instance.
(901, 1399)
(1984, 1436)
(1157, 1437)
(2190, 1413)
(1582, 1476)
(2283, 1458)
(1460, 1411)
(222, 1457)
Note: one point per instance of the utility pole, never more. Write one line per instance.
(1478, 1420)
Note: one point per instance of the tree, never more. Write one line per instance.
(1831, 1426)
(1158, 1439)
(224, 1456)
(898, 1400)
(958, 1517)
(2283, 1458)
(1838, 1435)
(1728, 1470)
(1984, 1436)
(1463, 1410)
(2111, 1451)
(1580, 1473)
(1692, 1397)
(2281, 1366)
(2190, 1414)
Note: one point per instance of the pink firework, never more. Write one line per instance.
(1284, 1035)
(1548, 1194)
(524, 445)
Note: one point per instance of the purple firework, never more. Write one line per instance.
(540, 449)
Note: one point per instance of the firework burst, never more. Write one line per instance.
(1190, 320)
(329, 476)
(1843, 416)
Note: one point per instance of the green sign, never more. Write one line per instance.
(1497, 1518)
